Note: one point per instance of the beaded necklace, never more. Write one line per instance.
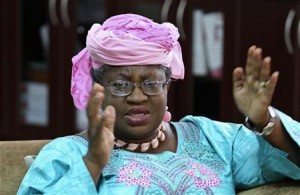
(143, 146)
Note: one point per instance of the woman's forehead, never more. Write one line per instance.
(142, 70)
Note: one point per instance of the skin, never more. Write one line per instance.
(137, 99)
(251, 100)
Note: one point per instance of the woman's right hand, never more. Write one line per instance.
(100, 133)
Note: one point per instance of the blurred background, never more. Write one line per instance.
(38, 38)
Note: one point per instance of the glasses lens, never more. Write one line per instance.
(120, 88)
(153, 87)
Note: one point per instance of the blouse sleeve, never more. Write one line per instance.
(256, 162)
(291, 126)
(59, 169)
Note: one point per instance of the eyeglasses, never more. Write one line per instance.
(124, 88)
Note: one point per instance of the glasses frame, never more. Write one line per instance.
(135, 84)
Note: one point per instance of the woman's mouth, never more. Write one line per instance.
(137, 116)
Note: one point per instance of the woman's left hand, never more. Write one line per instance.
(253, 87)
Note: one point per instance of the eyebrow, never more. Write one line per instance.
(123, 74)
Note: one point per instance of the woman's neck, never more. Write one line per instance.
(143, 145)
(137, 139)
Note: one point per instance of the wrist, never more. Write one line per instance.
(263, 130)
(94, 169)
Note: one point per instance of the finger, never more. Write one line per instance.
(238, 78)
(109, 118)
(94, 105)
(249, 60)
(266, 69)
(93, 108)
(254, 64)
(271, 84)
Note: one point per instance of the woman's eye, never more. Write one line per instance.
(151, 83)
(120, 83)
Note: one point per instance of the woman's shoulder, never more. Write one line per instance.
(202, 122)
(66, 143)
(190, 128)
(207, 127)
(198, 120)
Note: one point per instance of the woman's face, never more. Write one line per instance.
(138, 114)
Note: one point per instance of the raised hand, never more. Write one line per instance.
(100, 132)
(253, 87)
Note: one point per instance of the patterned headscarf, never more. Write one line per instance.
(123, 40)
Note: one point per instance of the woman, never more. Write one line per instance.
(131, 147)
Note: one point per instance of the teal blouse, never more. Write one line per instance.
(212, 158)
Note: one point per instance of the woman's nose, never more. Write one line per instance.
(137, 94)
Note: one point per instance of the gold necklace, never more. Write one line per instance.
(143, 146)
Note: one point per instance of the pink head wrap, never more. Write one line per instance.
(123, 40)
